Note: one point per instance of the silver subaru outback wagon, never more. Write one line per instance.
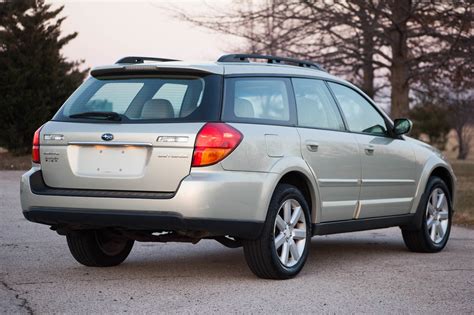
(262, 155)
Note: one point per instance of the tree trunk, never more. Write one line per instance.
(463, 147)
(368, 71)
(368, 78)
(399, 70)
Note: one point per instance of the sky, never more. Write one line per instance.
(111, 29)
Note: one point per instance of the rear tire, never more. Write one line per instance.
(98, 248)
(282, 249)
(433, 234)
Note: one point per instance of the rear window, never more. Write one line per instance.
(153, 99)
(259, 100)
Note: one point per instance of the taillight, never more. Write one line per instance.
(35, 151)
(214, 142)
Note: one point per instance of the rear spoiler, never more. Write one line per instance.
(143, 69)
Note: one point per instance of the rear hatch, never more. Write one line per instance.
(129, 132)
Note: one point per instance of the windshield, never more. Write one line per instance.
(138, 99)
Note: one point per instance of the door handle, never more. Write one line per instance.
(369, 150)
(312, 146)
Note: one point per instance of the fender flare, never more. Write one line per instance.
(297, 164)
(430, 166)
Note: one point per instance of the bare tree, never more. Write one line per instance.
(294, 28)
(363, 40)
(423, 37)
(459, 96)
(451, 87)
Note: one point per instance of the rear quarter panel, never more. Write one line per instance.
(272, 149)
(262, 146)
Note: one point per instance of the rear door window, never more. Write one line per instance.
(315, 106)
(258, 100)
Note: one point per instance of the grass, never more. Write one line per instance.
(464, 171)
(9, 161)
(464, 214)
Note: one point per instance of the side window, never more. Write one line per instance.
(257, 99)
(315, 105)
(360, 115)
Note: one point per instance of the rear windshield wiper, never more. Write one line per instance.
(98, 115)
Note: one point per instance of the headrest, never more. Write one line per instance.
(157, 109)
(243, 108)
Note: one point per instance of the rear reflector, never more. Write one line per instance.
(35, 151)
(214, 142)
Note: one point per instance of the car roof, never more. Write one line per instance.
(223, 68)
(228, 65)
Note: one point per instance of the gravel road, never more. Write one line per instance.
(369, 272)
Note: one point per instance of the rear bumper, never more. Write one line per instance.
(223, 202)
(139, 220)
(39, 187)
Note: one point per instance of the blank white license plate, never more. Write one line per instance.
(108, 161)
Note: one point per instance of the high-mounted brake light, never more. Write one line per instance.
(35, 151)
(214, 142)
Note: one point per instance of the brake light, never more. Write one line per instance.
(214, 142)
(35, 151)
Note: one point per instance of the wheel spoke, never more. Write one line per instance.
(440, 201)
(279, 240)
(429, 223)
(287, 211)
(434, 198)
(280, 223)
(285, 251)
(444, 215)
(296, 216)
(294, 250)
(440, 231)
(433, 232)
(299, 234)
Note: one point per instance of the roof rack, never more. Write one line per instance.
(270, 59)
(135, 59)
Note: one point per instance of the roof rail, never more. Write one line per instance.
(135, 59)
(270, 59)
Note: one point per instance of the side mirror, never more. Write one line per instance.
(402, 126)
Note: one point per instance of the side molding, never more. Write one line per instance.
(362, 224)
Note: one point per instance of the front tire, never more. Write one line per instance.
(98, 248)
(433, 234)
(282, 249)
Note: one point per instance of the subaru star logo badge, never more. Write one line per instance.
(107, 137)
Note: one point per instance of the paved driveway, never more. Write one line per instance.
(356, 272)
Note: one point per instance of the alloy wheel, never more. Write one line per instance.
(290, 232)
(437, 215)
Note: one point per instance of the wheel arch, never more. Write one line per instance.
(445, 175)
(300, 175)
(441, 169)
(300, 181)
